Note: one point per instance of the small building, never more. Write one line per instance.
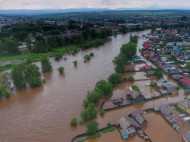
(185, 105)
(117, 101)
(147, 53)
(147, 67)
(186, 137)
(173, 71)
(136, 97)
(185, 82)
(141, 120)
(166, 111)
(159, 84)
(177, 76)
(149, 73)
(126, 128)
(172, 90)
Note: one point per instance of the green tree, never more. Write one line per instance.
(105, 87)
(159, 73)
(94, 96)
(35, 82)
(31, 71)
(61, 69)
(89, 112)
(18, 76)
(92, 127)
(115, 78)
(4, 92)
(46, 65)
(73, 121)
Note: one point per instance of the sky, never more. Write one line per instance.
(111, 4)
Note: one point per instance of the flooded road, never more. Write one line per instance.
(43, 114)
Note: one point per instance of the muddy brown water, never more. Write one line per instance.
(43, 114)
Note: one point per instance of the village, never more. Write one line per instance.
(168, 51)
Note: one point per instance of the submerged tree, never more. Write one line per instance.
(46, 65)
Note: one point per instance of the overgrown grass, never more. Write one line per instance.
(96, 135)
(111, 129)
(178, 109)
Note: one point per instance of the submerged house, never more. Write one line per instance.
(126, 128)
(185, 105)
(186, 137)
(141, 120)
(135, 97)
(185, 82)
(117, 101)
(147, 67)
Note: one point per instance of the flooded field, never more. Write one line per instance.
(43, 114)
(160, 130)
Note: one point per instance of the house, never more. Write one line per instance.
(159, 84)
(134, 123)
(135, 97)
(185, 105)
(117, 101)
(149, 73)
(175, 51)
(163, 59)
(185, 82)
(147, 67)
(165, 110)
(172, 90)
(173, 71)
(177, 76)
(135, 113)
(126, 129)
(147, 45)
(147, 53)
(166, 85)
(141, 120)
(186, 137)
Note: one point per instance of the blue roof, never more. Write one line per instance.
(176, 48)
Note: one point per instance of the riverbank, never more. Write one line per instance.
(8, 62)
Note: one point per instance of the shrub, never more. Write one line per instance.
(86, 58)
(46, 65)
(75, 63)
(73, 121)
(102, 112)
(92, 127)
(61, 69)
(136, 88)
(58, 57)
(108, 124)
(91, 54)
(35, 82)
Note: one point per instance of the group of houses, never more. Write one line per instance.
(166, 111)
(165, 87)
(172, 57)
(132, 124)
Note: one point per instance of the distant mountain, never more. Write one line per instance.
(51, 11)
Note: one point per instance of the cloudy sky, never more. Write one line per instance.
(112, 4)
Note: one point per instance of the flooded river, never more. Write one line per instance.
(43, 114)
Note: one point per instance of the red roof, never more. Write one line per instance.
(186, 80)
(147, 45)
(147, 52)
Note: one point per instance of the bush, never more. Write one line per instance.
(136, 88)
(89, 112)
(115, 78)
(80, 140)
(108, 124)
(35, 82)
(126, 79)
(86, 58)
(73, 121)
(61, 69)
(58, 57)
(159, 73)
(75, 63)
(102, 112)
(46, 65)
(91, 54)
(4, 92)
(92, 127)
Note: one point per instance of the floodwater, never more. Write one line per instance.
(43, 114)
